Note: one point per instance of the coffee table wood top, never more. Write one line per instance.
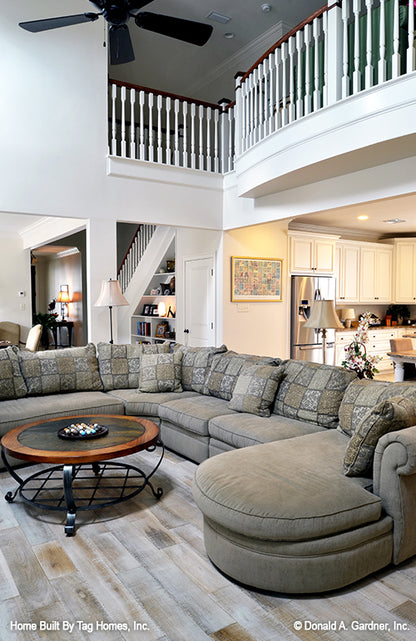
(39, 441)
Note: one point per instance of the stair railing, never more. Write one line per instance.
(134, 254)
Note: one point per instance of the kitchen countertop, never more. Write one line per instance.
(411, 328)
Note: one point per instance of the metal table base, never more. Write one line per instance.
(89, 486)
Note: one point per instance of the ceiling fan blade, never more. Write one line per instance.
(121, 48)
(195, 33)
(54, 23)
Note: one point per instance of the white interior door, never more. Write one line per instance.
(199, 321)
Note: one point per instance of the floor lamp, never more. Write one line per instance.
(110, 296)
(323, 316)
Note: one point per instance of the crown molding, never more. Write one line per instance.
(244, 57)
(343, 232)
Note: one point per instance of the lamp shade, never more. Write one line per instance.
(348, 313)
(63, 296)
(323, 316)
(110, 295)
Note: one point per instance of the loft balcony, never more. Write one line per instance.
(335, 95)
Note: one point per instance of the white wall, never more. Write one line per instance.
(54, 143)
(257, 328)
(15, 277)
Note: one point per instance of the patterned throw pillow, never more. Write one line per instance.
(362, 395)
(312, 392)
(12, 384)
(255, 389)
(387, 416)
(196, 363)
(225, 369)
(161, 373)
(120, 364)
(73, 369)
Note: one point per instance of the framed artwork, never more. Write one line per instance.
(146, 310)
(161, 330)
(256, 280)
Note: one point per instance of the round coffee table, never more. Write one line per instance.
(81, 481)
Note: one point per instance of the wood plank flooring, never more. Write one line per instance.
(138, 571)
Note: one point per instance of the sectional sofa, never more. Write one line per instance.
(307, 475)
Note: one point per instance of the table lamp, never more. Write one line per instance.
(110, 296)
(323, 316)
(347, 315)
(63, 298)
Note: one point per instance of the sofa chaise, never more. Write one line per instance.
(307, 475)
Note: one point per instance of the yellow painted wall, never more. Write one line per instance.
(264, 328)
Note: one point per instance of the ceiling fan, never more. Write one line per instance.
(117, 13)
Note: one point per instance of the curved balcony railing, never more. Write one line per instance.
(342, 49)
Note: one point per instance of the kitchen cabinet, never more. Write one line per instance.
(347, 270)
(404, 270)
(312, 253)
(378, 344)
(376, 268)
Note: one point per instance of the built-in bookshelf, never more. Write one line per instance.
(154, 320)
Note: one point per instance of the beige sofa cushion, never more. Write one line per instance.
(387, 416)
(196, 363)
(225, 369)
(12, 384)
(362, 395)
(120, 364)
(255, 389)
(193, 414)
(160, 373)
(74, 369)
(312, 392)
(273, 491)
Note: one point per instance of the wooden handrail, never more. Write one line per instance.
(165, 94)
(127, 252)
(290, 33)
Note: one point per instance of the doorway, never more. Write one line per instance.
(199, 316)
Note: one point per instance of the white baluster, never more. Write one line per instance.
(216, 139)
(201, 137)
(270, 93)
(244, 113)
(316, 28)
(141, 125)
(113, 120)
(410, 58)
(150, 143)
(396, 42)
(159, 129)
(292, 107)
(356, 76)
(266, 98)
(185, 134)
(307, 102)
(299, 99)
(345, 70)
(382, 63)
(277, 66)
(168, 108)
(132, 125)
(325, 44)
(176, 129)
(369, 69)
(208, 121)
(123, 123)
(193, 154)
(260, 94)
(285, 88)
(250, 113)
(231, 131)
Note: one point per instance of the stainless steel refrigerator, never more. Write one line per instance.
(306, 344)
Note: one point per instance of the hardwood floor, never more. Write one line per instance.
(142, 565)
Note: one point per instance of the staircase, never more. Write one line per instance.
(134, 254)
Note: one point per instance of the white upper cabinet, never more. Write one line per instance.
(348, 272)
(376, 273)
(404, 269)
(311, 253)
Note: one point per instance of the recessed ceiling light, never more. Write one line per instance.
(362, 217)
(218, 17)
(393, 221)
(266, 8)
(229, 35)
